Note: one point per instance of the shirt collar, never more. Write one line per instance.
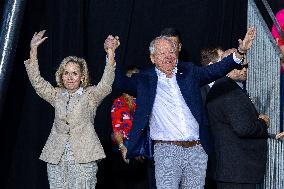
(79, 92)
(162, 74)
(240, 84)
(211, 84)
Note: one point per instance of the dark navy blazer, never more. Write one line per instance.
(143, 86)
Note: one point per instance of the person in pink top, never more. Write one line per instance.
(279, 41)
(280, 19)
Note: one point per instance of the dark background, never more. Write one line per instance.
(79, 27)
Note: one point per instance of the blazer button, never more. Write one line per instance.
(67, 123)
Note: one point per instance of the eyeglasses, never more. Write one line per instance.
(242, 67)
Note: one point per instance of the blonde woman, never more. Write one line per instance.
(72, 148)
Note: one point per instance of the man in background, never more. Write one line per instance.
(209, 56)
(239, 134)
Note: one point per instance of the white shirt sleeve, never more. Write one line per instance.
(239, 61)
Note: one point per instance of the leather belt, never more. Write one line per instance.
(185, 144)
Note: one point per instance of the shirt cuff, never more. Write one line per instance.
(238, 61)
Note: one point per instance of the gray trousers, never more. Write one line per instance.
(70, 175)
(177, 167)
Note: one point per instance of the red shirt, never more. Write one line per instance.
(121, 116)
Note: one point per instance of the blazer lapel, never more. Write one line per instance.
(181, 81)
(152, 80)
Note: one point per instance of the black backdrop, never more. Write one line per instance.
(79, 27)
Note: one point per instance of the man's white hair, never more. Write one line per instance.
(153, 43)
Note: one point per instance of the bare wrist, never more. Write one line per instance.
(33, 56)
(241, 51)
(33, 49)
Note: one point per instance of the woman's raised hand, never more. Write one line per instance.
(37, 39)
(110, 45)
(35, 42)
